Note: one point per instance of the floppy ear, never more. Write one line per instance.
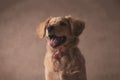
(77, 26)
(41, 29)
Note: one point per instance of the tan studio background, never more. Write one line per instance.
(22, 52)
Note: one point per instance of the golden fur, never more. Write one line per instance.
(71, 65)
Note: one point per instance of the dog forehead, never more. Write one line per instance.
(55, 20)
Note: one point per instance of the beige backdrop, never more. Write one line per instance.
(22, 52)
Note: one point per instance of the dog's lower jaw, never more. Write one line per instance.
(57, 51)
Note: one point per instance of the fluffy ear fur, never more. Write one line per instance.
(77, 26)
(41, 29)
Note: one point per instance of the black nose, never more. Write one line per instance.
(50, 28)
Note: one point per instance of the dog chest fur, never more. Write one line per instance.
(70, 65)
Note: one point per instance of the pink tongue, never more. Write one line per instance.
(53, 43)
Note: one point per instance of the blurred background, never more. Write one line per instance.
(22, 52)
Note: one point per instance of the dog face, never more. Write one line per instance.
(60, 30)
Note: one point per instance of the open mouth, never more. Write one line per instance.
(56, 41)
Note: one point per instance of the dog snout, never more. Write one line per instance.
(50, 28)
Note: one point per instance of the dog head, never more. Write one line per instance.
(60, 30)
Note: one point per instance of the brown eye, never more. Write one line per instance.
(63, 24)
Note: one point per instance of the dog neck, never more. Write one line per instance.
(58, 53)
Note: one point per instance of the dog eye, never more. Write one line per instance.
(63, 24)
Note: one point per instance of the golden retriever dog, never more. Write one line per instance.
(63, 59)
